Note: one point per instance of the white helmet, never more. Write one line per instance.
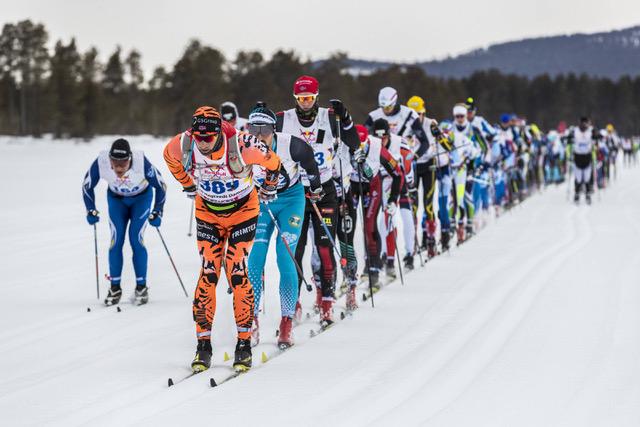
(387, 97)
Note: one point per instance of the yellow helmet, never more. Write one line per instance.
(416, 103)
(610, 127)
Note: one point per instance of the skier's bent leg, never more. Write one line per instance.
(140, 209)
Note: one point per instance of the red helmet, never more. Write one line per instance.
(306, 84)
(363, 133)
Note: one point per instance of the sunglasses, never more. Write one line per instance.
(205, 138)
(305, 98)
(263, 129)
(380, 133)
(388, 108)
(460, 116)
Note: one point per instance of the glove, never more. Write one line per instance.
(155, 218)
(267, 193)
(315, 195)
(341, 111)
(435, 130)
(391, 208)
(190, 191)
(93, 216)
(359, 156)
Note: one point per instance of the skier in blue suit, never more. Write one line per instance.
(298, 165)
(129, 175)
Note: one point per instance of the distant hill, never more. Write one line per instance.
(610, 54)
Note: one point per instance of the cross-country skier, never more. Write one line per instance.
(404, 122)
(130, 176)
(296, 157)
(213, 163)
(582, 140)
(318, 126)
(369, 160)
(229, 113)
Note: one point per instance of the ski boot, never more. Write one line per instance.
(460, 233)
(576, 198)
(298, 314)
(141, 295)
(202, 361)
(351, 298)
(318, 303)
(284, 336)
(408, 262)
(326, 313)
(390, 269)
(588, 198)
(431, 240)
(424, 246)
(255, 332)
(242, 360)
(375, 281)
(114, 295)
(444, 240)
(468, 229)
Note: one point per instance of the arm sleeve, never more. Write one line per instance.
(156, 181)
(391, 166)
(255, 152)
(90, 181)
(302, 153)
(369, 124)
(173, 158)
(421, 136)
(279, 121)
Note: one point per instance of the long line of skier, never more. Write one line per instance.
(312, 176)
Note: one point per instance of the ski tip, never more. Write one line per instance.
(312, 333)
(212, 382)
(88, 309)
(170, 382)
(342, 315)
(264, 357)
(118, 309)
(364, 297)
(308, 315)
(226, 357)
(277, 333)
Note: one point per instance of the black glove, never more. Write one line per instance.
(315, 195)
(435, 130)
(341, 112)
(190, 191)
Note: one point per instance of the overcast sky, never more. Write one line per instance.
(398, 30)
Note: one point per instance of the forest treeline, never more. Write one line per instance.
(70, 93)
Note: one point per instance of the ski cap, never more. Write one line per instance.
(306, 85)
(505, 118)
(229, 111)
(416, 103)
(380, 127)
(261, 115)
(459, 110)
(120, 149)
(206, 121)
(471, 104)
(387, 97)
(363, 133)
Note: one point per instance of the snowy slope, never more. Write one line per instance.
(533, 322)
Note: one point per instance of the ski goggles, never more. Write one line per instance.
(205, 138)
(264, 129)
(460, 116)
(305, 98)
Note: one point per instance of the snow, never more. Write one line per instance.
(533, 322)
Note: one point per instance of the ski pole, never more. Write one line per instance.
(172, 263)
(343, 261)
(392, 229)
(95, 248)
(286, 245)
(364, 229)
(193, 205)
